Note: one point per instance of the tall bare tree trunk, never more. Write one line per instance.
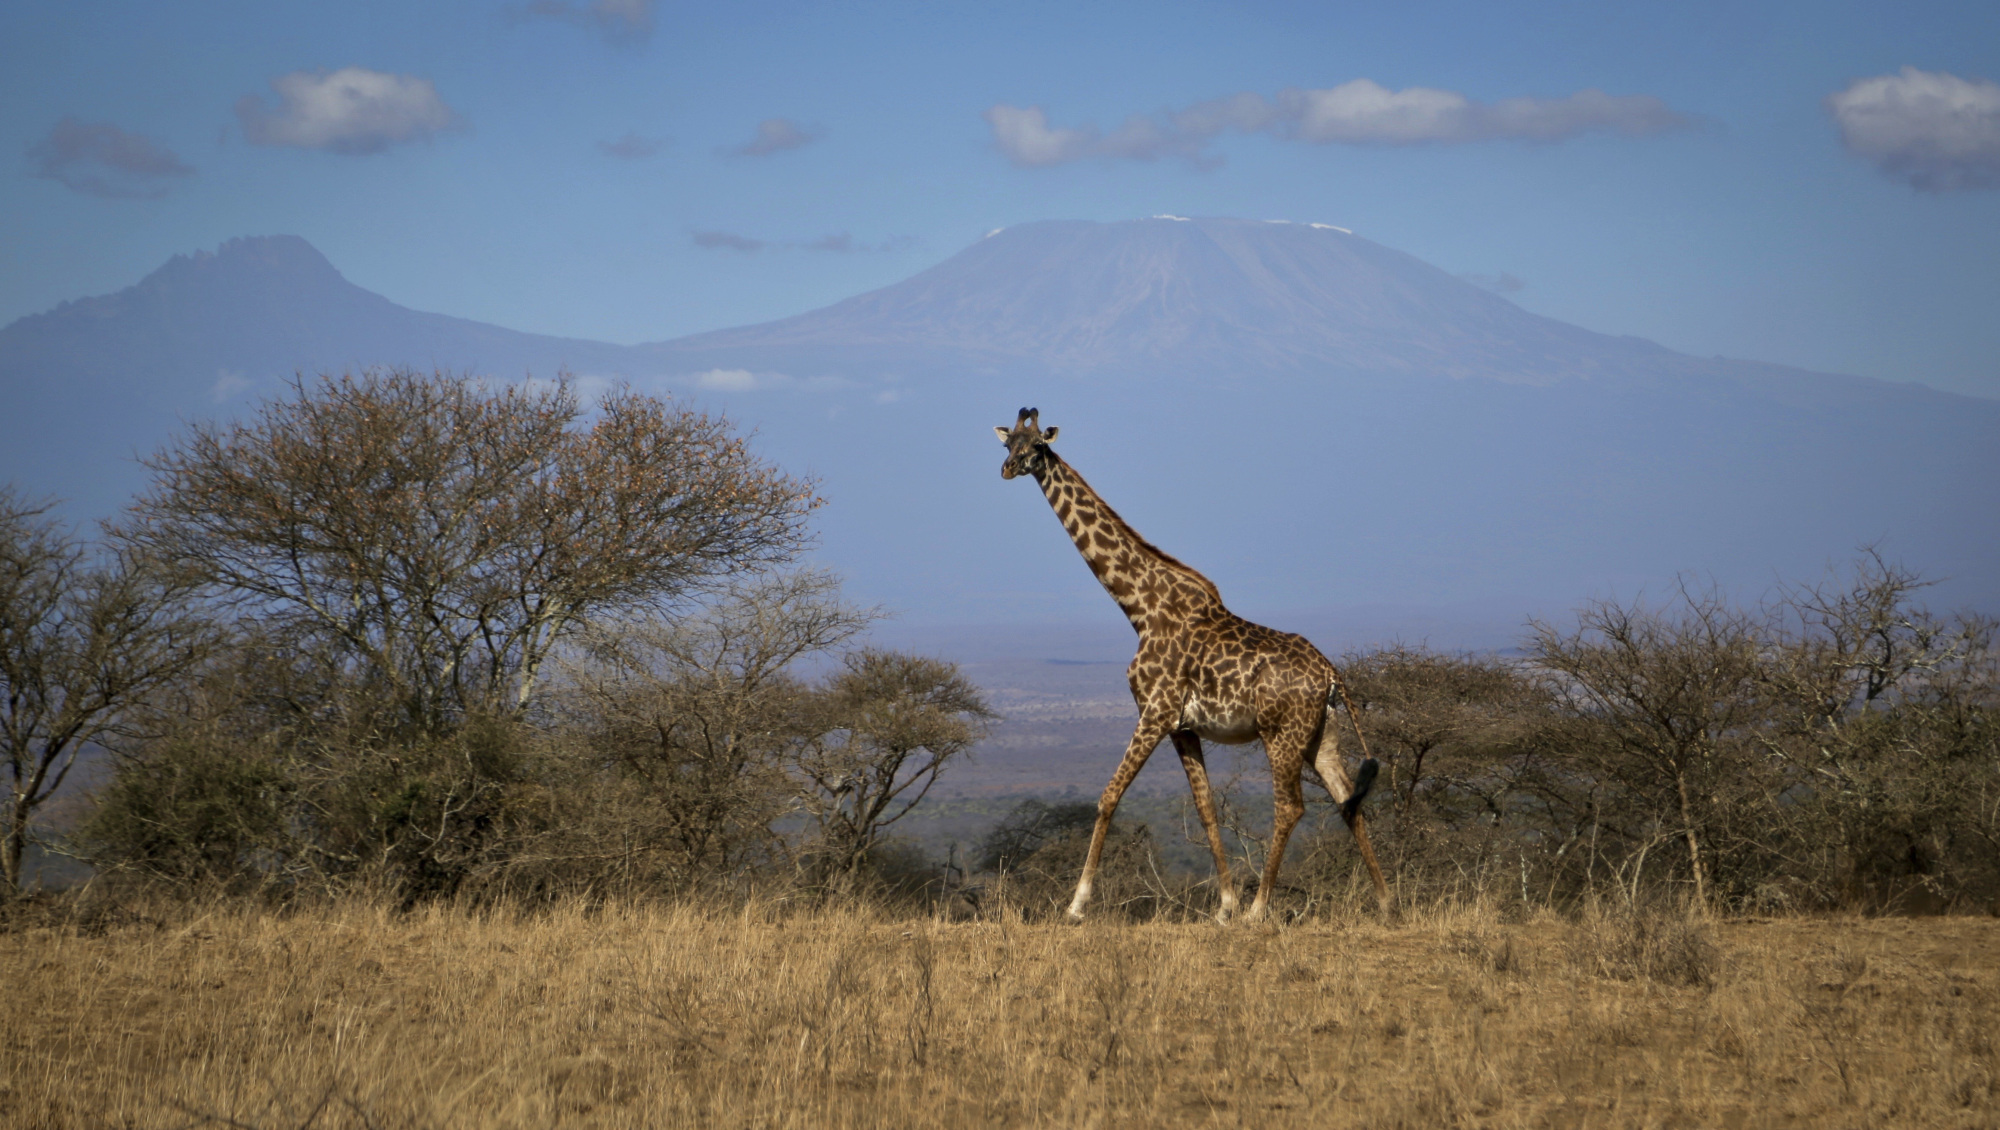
(13, 849)
(1694, 848)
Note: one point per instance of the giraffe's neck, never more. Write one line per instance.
(1154, 591)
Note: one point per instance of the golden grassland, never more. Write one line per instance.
(352, 1015)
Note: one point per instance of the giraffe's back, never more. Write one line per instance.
(1233, 680)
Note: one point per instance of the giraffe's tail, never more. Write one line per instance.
(1364, 780)
(1364, 776)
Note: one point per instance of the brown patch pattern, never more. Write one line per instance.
(1201, 671)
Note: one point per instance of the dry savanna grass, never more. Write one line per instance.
(353, 1016)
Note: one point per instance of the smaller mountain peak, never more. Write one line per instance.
(268, 251)
(282, 256)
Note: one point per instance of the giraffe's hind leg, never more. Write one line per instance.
(1188, 744)
(1287, 752)
(1144, 739)
(1332, 774)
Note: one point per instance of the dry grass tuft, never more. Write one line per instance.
(354, 1016)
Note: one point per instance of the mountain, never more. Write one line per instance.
(1320, 421)
(1221, 297)
(1317, 421)
(95, 381)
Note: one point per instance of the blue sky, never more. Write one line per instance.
(631, 171)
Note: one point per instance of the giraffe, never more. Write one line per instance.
(1200, 671)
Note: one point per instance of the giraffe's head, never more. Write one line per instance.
(1027, 444)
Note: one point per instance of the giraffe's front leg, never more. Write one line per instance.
(1152, 727)
(1188, 744)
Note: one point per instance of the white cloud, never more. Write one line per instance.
(1938, 132)
(1361, 112)
(1025, 138)
(100, 159)
(728, 380)
(351, 110)
(744, 380)
(775, 135)
(228, 383)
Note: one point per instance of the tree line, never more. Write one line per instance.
(423, 636)
(1837, 745)
(1834, 746)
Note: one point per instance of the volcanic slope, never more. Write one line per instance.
(1319, 421)
(1313, 419)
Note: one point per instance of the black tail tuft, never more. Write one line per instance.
(1364, 779)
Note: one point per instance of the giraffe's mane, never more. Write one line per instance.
(1125, 530)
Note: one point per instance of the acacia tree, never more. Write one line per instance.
(1441, 723)
(83, 641)
(1665, 702)
(694, 715)
(889, 725)
(1886, 737)
(444, 533)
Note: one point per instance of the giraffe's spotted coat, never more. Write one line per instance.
(1200, 671)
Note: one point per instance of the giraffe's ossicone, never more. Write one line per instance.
(1200, 671)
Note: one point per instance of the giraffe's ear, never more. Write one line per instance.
(1003, 433)
(1050, 435)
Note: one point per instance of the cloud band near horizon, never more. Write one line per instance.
(1361, 112)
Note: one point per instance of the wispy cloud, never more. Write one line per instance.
(731, 380)
(632, 147)
(99, 159)
(352, 110)
(1936, 131)
(743, 380)
(1360, 112)
(775, 135)
(839, 243)
(727, 241)
(1026, 138)
(1364, 113)
(619, 21)
(228, 382)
